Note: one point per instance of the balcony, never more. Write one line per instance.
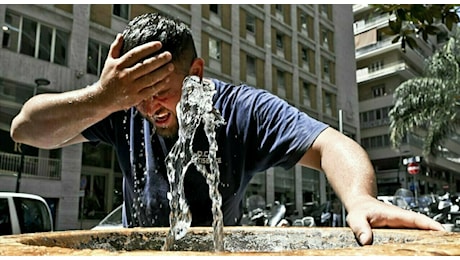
(374, 22)
(33, 166)
(377, 48)
(400, 67)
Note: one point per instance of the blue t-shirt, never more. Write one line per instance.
(260, 131)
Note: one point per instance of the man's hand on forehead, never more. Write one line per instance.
(126, 81)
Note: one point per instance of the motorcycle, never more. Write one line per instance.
(304, 222)
(444, 209)
(261, 215)
(449, 212)
(316, 215)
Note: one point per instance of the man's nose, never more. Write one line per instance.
(150, 105)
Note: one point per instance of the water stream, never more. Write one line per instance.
(194, 109)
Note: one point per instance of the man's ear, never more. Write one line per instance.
(197, 67)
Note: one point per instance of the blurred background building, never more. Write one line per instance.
(381, 66)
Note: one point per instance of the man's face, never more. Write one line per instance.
(160, 109)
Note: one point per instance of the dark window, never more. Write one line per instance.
(121, 11)
(251, 66)
(35, 39)
(60, 49)
(11, 32)
(46, 36)
(303, 21)
(250, 23)
(5, 221)
(33, 215)
(97, 53)
(279, 8)
(28, 36)
(279, 41)
(214, 8)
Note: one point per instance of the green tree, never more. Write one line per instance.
(415, 20)
(431, 102)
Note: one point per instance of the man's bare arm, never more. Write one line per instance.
(351, 175)
(54, 120)
(51, 121)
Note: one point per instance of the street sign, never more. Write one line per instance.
(411, 160)
(413, 168)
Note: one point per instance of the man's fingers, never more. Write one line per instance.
(151, 81)
(139, 53)
(361, 229)
(157, 63)
(115, 47)
(412, 219)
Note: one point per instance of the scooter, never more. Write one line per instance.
(449, 211)
(270, 216)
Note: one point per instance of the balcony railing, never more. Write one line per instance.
(365, 74)
(33, 166)
(363, 25)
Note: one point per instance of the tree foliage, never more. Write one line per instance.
(431, 102)
(415, 20)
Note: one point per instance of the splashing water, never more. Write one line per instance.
(194, 108)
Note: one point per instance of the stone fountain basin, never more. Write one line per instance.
(292, 241)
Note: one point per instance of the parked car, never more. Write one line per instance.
(24, 213)
(112, 220)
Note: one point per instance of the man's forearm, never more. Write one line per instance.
(345, 163)
(49, 120)
(348, 169)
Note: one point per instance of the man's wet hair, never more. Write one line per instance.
(175, 36)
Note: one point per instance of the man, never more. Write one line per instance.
(142, 78)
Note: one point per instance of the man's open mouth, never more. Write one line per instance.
(161, 117)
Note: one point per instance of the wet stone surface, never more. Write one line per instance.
(237, 241)
(240, 241)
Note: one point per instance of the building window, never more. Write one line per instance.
(214, 9)
(11, 32)
(328, 104)
(304, 57)
(215, 14)
(281, 83)
(121, 11)
(251, 74)
(379, 91)
(279, 41)
(325, 38)
(250, 23)
(326, 70)
(279, 12)
(375, 118)
(375, 66)
(35, 39)
(280, 78)
(97, 53)
(250, 27)
(306, 94)
(324, 9)
(28, 37)
(94, 202)
(279, 8)
(214, 48)
(279, 44)
(303, 21)
(385, 111)
(373, 142)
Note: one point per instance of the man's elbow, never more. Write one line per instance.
(20, 132)
(15, 131)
